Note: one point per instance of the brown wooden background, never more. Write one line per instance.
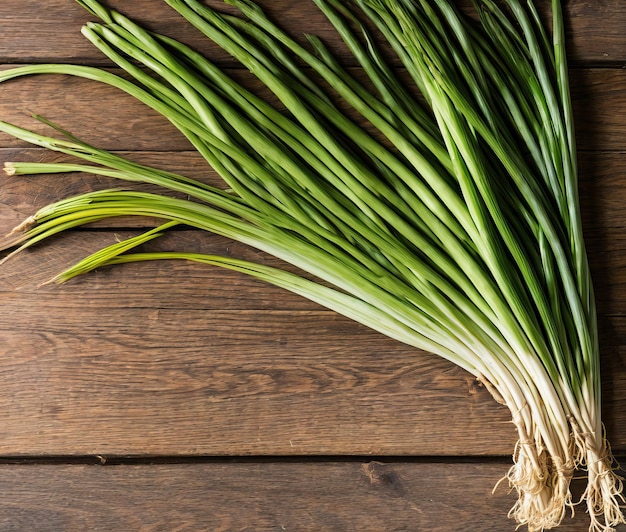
(180, 397)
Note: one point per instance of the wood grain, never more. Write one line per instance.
(105, 116)
(179, 282)
(603, 197)
(602, 187)
(177, 359)
(134, 382)
(98, 371)
(31, 34)
(263, 496)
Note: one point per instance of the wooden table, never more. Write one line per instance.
(182, 397)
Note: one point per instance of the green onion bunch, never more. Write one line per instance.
(439, 207)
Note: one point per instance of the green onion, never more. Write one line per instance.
(445, 215)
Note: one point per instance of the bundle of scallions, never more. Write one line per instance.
(445, 215)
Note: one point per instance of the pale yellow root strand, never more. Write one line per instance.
(604, 492)
(542, 484)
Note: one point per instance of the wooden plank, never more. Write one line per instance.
(602, 191)
(603, 197)
(96, 113)
(264, 496)
(608, 259)
(176, 359)
(602, 187)
(202, 287)
(29, 33)
(599, 100)
(108, 380)
(23, 195)
(110, 119)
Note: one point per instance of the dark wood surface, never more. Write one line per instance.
(257, 495)
(181, 397)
